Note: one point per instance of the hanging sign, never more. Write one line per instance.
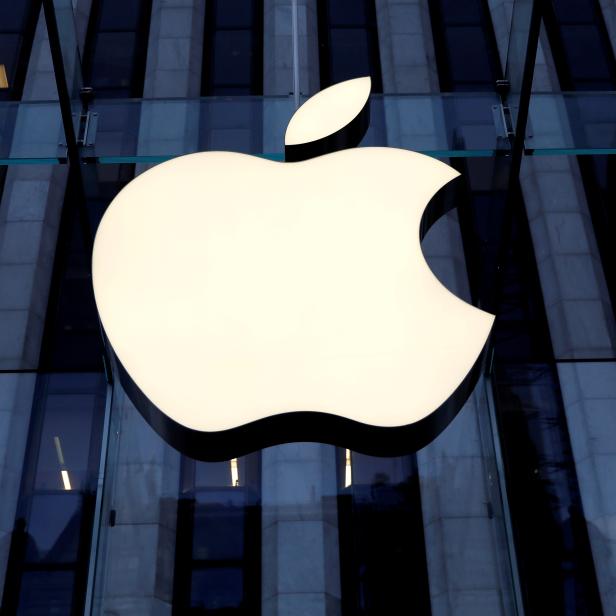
(250, 302)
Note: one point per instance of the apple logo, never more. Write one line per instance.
(250, 302)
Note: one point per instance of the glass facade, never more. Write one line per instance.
(512, 509)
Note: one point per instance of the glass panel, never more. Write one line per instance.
(460, 124)
(64, 453)
(443, 125)
(31, 132)
(572, 122)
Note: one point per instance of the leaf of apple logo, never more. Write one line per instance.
(251, 302)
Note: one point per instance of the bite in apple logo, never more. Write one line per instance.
(250, 302)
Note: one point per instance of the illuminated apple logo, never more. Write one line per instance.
(250, 302)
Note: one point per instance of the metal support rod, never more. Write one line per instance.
(517, 150)
(512, 201)
(295, 31)
(66, 110)
(75, 177)
(502, 487)
(98, 507)
(532, 45)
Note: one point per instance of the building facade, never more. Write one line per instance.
(512, 509)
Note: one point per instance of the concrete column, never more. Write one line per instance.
(580, 316)
(574, 290)
(278, 69)
(589, 395)
(300, 562)
(408, 65)
(175, 49)
(30, 212)
(173, 71)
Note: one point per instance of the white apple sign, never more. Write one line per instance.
(251, 302)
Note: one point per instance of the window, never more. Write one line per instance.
(218, 544)
(17, 24)
(50, 543)
(465, 47)
(233, 48)
(382, 549)
(348, 42)
(114, 59)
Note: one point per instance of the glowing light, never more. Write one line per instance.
(348, 469)
(234, 288)
(235, 477)
(4, 80)
(66, 480)
(327, 111)
(307, 290)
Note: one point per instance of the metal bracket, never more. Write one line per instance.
(86, 125)
(503, 121)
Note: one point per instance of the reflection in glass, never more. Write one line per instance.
(382, 551)
(218, 544)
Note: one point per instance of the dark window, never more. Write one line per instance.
(233, 48)
(117, 42)
(50, 543)
(221, 588)
(549, 527)
(47, 592)
(465, 46)
(580, 45)
(218, 544)
(17, 25)
(348, 42)
(382, 550)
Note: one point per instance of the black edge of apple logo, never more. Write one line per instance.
(311, 426)
(301, 426)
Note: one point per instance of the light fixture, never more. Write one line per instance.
(4, 80)
(348, 469)
(66, 480)
(250, 302)
(235, 476)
